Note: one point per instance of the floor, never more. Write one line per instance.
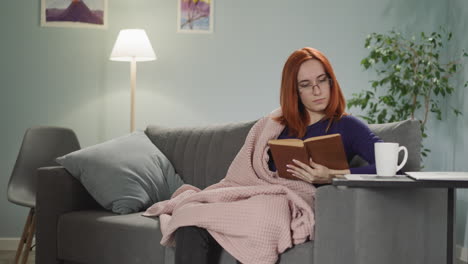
(7, 257)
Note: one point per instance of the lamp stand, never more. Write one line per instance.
(133, 70)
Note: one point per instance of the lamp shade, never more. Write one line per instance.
(132, 44)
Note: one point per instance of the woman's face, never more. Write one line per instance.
(313, 86)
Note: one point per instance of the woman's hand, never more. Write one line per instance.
(312, 173)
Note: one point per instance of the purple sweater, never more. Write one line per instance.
(357, 138)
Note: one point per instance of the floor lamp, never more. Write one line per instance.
(132, 45)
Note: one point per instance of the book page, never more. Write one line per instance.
(372, 177)
(287, 142)
(439, 175)
(328, 151)
(321, 137)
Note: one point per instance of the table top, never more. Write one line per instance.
(396, 182)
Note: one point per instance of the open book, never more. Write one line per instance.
(325, 150)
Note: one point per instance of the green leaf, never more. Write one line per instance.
(454, 68)
(365, 62)
(368, 40)
(368, 119)
(382, 117)
(388, 100)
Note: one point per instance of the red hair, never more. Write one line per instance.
(294, 114)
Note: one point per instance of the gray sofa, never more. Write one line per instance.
(353, 225)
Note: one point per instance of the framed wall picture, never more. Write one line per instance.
(74, 13)
(195, 16)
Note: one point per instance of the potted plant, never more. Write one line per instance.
(413, 78)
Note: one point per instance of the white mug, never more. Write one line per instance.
(386, 158)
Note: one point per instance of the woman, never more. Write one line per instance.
(312, 104)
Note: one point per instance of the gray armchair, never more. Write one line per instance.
(40, 146)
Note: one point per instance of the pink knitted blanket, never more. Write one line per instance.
(252, 213)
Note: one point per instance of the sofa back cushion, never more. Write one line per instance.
(407, 133)
(200, 155)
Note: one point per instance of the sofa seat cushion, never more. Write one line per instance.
(104, 237)
(302, 253)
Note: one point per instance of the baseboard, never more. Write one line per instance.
(11, 243)
(461, 254)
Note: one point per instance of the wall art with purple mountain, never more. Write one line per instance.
(77, 11)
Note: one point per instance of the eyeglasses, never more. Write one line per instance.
(322, 82)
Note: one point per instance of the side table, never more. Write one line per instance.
(369, 181)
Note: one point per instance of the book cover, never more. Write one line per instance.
(325, 150)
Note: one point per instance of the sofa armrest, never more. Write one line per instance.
(58, 192)
(380, 225)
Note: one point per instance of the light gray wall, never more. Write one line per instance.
(62, 76)
(458, 12)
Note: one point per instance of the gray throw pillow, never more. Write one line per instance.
(124, 175)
